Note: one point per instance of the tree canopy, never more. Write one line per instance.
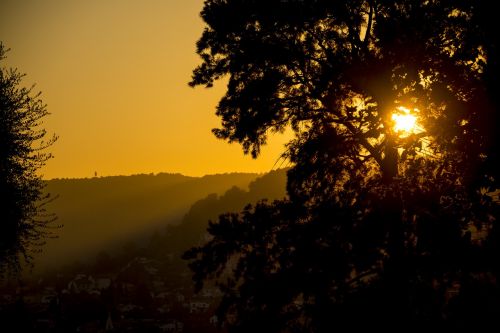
(24, 221)
(381, 226)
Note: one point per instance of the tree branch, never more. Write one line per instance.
(369, 26)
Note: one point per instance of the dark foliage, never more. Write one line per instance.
(382, 229)
(24, 221)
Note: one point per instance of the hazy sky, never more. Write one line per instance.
(114, 74)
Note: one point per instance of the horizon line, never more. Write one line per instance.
(162, 173)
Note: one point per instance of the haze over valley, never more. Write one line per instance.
(103, 213)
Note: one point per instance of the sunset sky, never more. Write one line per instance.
(114, 75)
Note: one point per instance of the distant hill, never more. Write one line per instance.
(192, 230)
(99, 213)
(166, 246)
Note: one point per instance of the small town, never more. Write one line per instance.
(141, 296)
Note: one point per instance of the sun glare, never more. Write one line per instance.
(404, 121)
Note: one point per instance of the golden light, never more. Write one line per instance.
(404, 122)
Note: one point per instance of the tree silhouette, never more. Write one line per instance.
(24, 221)
(382, 227)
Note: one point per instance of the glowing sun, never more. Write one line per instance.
(404, 121)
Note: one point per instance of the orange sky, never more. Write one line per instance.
(114, 74)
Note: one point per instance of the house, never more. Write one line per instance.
(103, 283)
(211, 292)
(198, 306)
(180, 297)
(44, 325)
(208, 293)
(162, 295)
(81, 283)
(126, 308)
(109, 323)
(158, 285)
(142, 265)
(46, 299)
(7, 298)
(163, 309)
(127, 288)
(173, 326)
(95, 292)
(170, 327)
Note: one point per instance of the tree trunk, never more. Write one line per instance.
(390, 162)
